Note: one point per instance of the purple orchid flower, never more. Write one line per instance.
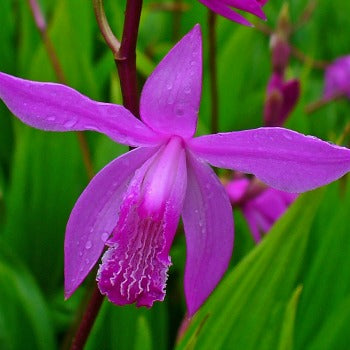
(223, 8)
(261, 206)
(337, 78)
(281, 98)
(133, 205)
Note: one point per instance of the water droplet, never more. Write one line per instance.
(70, 123)
(104, 236)
(187, 90)
(169, 86)
(179, 112)
(51, 119)
(80, 253)
(92, 127)
(88, 245)
(288, 136)
(171, 100)
(87, 261)
(193, 63)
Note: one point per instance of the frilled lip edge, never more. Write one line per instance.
(134, 268)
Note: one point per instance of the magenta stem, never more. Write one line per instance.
(87, 320)
(126, 60)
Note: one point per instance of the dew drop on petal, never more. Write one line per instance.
(88, 245)
(104, 236)
(187, 90)
(171, 100)
(288, 136)
(70, 123)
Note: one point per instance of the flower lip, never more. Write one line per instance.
(160, 178)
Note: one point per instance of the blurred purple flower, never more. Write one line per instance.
(133, 205)
(337, 78)
(281, 98)
(260, 206)
(223, 8)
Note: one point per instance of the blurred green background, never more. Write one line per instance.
(290, 292)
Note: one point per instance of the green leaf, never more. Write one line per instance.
(334, 334)
(119, 327)
(253, 296)
(47, 177)
(287, 333)
(143, 335)
(24, 320)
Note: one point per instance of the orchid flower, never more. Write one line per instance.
(261, 206)
(281, 98)
(337, 78)
(223, 8)
(133, 205)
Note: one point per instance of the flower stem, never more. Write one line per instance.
(125, 52)
(213, 72)
(315, 106)
(126, 60)
(88, 320)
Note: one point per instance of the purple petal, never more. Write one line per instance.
(264, 210)
(95, 215)
(291, 92)
(208, 223)
(283, 159)
(55, 107)
(236, 189)
(171, 95)
(251, 6)
(250, 215)
(134, 269)
(221, 8)
(337, 78)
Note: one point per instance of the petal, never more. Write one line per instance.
(250, 216)
(171, 95)
(236, 189)
(222, 9)
(134, 269)
(291, 92)
(95, 215)
(251, 6)
(55, 107)
(271, 204)
(208, 223)
(283, 159)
